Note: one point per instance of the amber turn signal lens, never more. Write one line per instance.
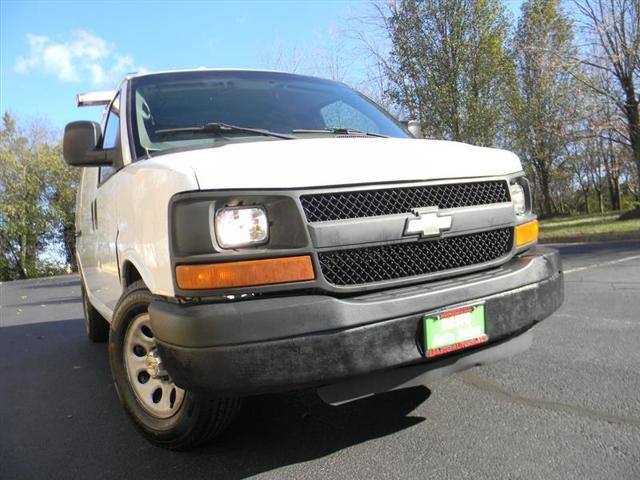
(526, 233)
(244, 274)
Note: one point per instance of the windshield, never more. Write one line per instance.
(170, 109)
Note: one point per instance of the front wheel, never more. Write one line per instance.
(167, 415)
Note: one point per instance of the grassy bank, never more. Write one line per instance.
(589, 228)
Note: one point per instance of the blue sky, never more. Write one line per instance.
(51, 50)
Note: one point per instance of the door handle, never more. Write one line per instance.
(94, 214)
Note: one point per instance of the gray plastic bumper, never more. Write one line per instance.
(284, 343)
(422, 373)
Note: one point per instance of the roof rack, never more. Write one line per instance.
(92, 99)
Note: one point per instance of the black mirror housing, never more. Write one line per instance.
(80, 145)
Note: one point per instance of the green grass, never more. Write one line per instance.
(589, 228)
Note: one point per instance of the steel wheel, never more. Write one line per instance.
(151, 384)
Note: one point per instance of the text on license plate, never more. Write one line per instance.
(454, 329)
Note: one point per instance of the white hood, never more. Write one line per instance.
(338, 161)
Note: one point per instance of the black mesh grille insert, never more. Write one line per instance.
(369, 203)
(389, 262)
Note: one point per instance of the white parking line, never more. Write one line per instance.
(602, 264)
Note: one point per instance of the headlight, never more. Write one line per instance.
(519, 199)
(241, 226)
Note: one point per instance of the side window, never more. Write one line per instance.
(104, 173)
(111, 138)
(111, 131)
(341, 115)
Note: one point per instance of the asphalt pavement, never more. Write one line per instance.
(567, 408)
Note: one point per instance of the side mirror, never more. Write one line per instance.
(80, 143)
(415, 128)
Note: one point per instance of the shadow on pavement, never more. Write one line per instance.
(61, 419)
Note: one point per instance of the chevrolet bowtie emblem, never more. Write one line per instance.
(426, 222)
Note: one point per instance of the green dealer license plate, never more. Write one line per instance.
(455, 329)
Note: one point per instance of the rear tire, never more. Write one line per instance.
(95, 325)
(165, 414)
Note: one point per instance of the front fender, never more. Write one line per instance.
(131, 257)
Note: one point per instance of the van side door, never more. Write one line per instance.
(100, 262)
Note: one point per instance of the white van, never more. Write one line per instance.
(242, 232)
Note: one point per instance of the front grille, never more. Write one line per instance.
(390, 262)
(370, 203)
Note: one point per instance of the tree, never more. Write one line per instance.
(329, 60)
(36, 200)
(544, 109)
(62, 187)
(605, 142)
(449, 66)
(576, 161)
(612, 28)
(23, 220)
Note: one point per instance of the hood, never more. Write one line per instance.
(338, 161)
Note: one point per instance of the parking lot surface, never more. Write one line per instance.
(567, 408)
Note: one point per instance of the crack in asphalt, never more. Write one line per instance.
(471, 379)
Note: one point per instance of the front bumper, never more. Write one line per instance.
(284, 343)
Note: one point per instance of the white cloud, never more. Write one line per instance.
(82, 57)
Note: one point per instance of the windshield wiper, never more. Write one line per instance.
(222, 128)
(338, 131)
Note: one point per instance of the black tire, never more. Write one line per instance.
(96, 326)
(198, 419)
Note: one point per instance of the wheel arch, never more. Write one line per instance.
(132, 270)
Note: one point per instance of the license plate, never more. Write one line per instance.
(454, 329)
